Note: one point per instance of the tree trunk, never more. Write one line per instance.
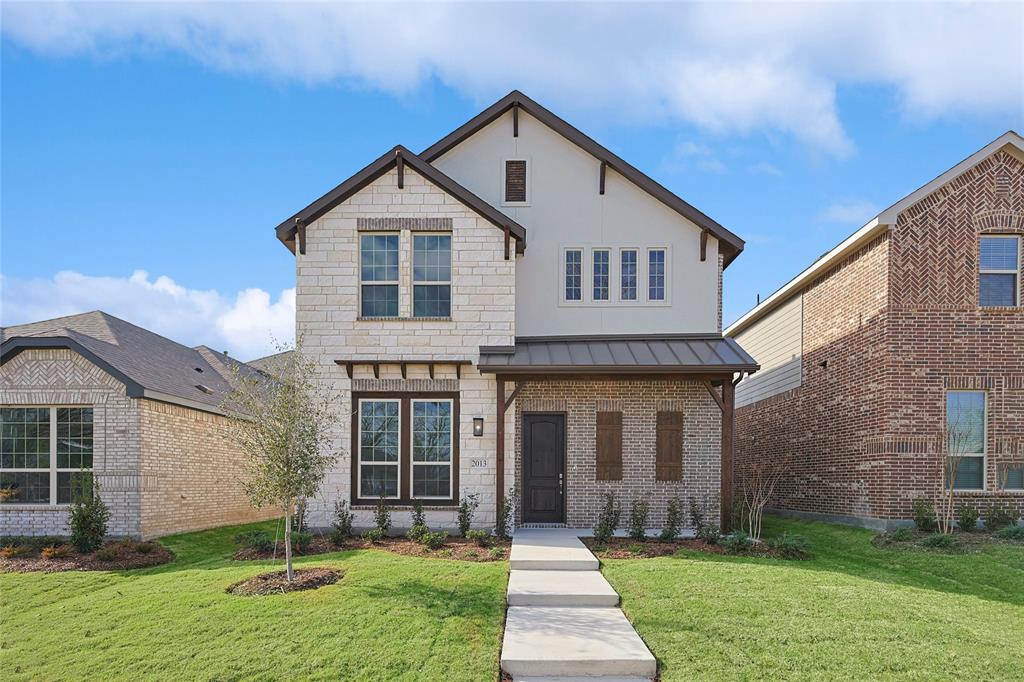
(288, 543)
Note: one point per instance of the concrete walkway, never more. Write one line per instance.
(564, 623)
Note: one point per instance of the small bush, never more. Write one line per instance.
(673, 521)
(924, 514)
(638, 513)
(967, 518)
(435, 540)
(710, 534)
(472, 554)
(999, 516)
(790, 546)
(696, 515)
(16, 551)
(607, 519)
(737, 542)
(301, 540)
(1010, 533)
(41, 542)
(481, 538)
(497, 552)
(417, 532)
(939, 541)
(900, 535)
(382, 515)
(58, 552)
(342, 522)
(374, 535)
(106, 555)
(467, 509)
(258, 540)
(88, 516)
(145, 547)
(14, 540)
(419, 517)
(504, 519)
(635, 548)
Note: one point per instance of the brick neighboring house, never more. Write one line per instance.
(138, 412)
(471, 364)
(912, 323)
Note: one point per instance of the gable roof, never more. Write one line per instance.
(877, 225)
(286, 231)
(149, 365)
(731, 245)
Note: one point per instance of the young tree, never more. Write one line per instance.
(281, 424)
(759, 479)
(959, 435)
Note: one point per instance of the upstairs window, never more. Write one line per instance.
(515, 181)
(573, 275)
(656, 275)
(965, 433)
(432, 275)
(999, 274)
(378, 275)
(601, 267)
(627, 270)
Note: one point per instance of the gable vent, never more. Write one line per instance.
(515, 180)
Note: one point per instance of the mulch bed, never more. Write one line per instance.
(459, 549)
(627, 548)
(964, 542)
(124, 557)
(277, 582)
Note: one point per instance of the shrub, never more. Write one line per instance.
(481, 538)
(301, 540)
(417, 532)
(41, 542)
(1010, 533)
(900, 535)
(638, 513)
(497, 552)
(14, 540)
(737, 542)
(710, 534)
(342, 522)
(16, 551)
(673, 521)
(790, 546)
(696, 515)
(374, 535)
(145, 547)
(999, 516)
(258, 540)
(924, 514)
(607, 519)
(88, 516)
(939, 541)
(419, 517)
(382, 516)
(57, 551)
(472, 554)
(467, 508)
(967, 518)
(503, 520)
(635, 548)
(435, 540)
(106, 555)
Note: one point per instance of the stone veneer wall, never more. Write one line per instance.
(483, 313)
(191, 472)
(639, 401)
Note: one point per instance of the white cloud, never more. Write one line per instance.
(765, 168)
(726, 68)
(699, 155)
(247, 326)
(849, 212)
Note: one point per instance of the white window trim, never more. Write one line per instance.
(529, 181)
(396, 283)
(451, 449)
(415, 283)
(989, 271)
(668, 275)
(563, 301)
(53, 469)
(984, 440)
(611, 274)
(359, 454)
(636, 300)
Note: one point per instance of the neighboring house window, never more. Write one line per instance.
(573, 275)
(432, 276)
(378, 448)
(656, 275)
(515, 181)
(432, 449)
(378, 274)
(601, 268)
(999, 274)
(965, 432)
(627, 270)
(45, 454)
(1012, 477)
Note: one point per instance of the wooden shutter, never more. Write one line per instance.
(515, 180)
(609, 446)
(668, 464)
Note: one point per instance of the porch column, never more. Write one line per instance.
(728, 408)
(499, 446)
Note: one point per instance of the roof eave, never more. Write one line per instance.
(683, 370)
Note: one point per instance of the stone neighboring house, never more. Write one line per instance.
(469, 363)
(92, 394)
(912, 325)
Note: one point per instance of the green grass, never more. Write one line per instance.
(391, 617)
(853, 612)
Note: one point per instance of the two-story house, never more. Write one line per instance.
(516, 308)
(910, 330)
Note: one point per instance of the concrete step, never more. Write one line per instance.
(556, 641)
(588, 678)
(550, 550)
(560, 588)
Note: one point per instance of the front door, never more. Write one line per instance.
(543, 468)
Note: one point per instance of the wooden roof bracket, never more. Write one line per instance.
(714, 394)
(348, 369)
(703, 245)
(604, 167)
(515, 119)
(400, 163)
(515, 392)
(300, 233)
(507, 237)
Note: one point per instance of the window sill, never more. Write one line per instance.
(1000, 308)
(434, 505)
(34, 507)
(403, 319)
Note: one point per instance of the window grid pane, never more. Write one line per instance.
(998, 253)
(965, 422)
(71, 484)
(431, 442)
(1014, 478)
(573, 275)
(25, 487)
(600, 275)
(432, 258)
(378, 431)
(379, 300)
(656, 275)
(25, 438)
(997, 289)
(378, 257)
(628, 270)
(74, 437)
(432, 300)
(970, 474)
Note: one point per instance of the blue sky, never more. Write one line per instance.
(127, 147)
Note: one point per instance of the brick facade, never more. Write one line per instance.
(897, 324)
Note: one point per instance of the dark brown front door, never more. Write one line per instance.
(543, 468)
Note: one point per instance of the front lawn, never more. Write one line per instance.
(855, 611)
(390, 617)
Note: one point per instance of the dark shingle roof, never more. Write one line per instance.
(149, 365)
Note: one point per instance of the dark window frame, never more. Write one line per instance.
(435, 284)
(380, 284)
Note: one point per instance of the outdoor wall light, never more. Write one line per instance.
(478, 426)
